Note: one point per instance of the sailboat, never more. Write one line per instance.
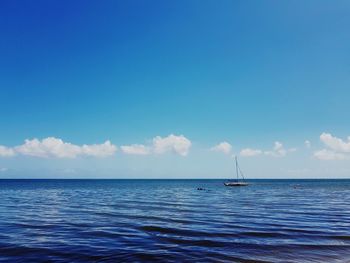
(238, 173)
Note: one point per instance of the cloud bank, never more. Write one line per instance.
(52, 147)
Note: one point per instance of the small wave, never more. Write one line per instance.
(264, 234)
(183, 232)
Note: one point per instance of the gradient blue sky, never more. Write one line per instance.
(246, 72)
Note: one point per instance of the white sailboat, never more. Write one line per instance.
(238, 173)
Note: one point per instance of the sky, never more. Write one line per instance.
(174, 89)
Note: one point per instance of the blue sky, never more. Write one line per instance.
(249, 73)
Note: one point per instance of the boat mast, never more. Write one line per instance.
(236, 168)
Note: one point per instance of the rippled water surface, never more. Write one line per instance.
(172, 221)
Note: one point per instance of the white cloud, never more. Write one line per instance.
(335, 143)
(6, 152)
(99, 150)
(307, 144)
(337, 148)
(136, 149)
(223, 147)
(248, 152)
(279, 150)
(176, 144)
(3, 169)
(48, 147)
(54, 147)
(329, 155)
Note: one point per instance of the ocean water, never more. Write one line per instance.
(172, 221)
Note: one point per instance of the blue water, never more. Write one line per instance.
(172, 221)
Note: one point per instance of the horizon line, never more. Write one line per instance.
(173, 179)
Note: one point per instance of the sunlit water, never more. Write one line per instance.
(172, 221)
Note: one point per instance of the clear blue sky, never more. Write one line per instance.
(246, 72)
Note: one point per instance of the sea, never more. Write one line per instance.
(174, 221)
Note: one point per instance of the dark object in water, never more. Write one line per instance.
(200, 188)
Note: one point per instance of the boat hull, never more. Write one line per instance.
(235, 184)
